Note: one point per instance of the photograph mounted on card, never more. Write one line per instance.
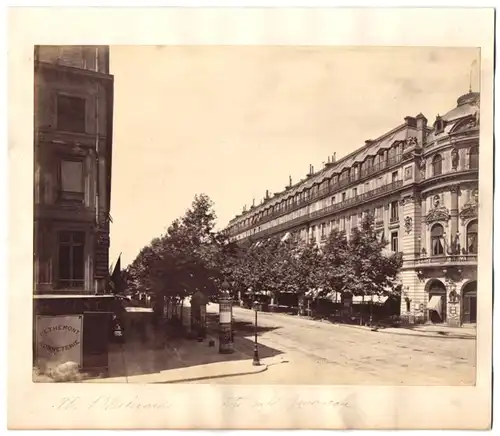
(281, 232)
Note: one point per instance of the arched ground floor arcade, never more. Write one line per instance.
(440, 296)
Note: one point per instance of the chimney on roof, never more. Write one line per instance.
(368, 142)
(421, 129)
(267, 194)
(410, 121)
(290, 181)
(328, 159)
(253, 202)
(334, 157)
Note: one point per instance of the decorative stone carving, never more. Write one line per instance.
(469, 123)
(454, 158)
(436, 201)
(408, 224)
(437, 214)
(411, 141)
(469, 210)
(422, 166)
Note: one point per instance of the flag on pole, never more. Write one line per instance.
(116, 277)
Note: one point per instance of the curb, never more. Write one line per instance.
(261, 368)
(403, 332)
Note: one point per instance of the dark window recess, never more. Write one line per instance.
(394, 241)
(437, 165)
(71, 181)
(437, 240)
(473, 158)
(394, 211)
(472, 238)
(71, 113)
(71, 259)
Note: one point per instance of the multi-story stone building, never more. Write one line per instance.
(73, 108)
(421, 183)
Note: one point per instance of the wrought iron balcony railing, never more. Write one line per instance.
(351, 202)
(317, 193)
(449, 259)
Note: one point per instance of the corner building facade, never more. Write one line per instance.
(420, 182)
(73, 108)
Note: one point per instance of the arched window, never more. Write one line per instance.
(437, 240)
(437, 165)
(472, 237)
(473, 158)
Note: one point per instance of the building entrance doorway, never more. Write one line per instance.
(469, 303)
(437, 302)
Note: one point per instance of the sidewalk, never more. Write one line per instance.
(180, 361)
(429, 330)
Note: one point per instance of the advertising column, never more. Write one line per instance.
(225, 324)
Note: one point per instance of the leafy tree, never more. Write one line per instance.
(368, 270)
(334, 263)
(184, 260)
(303, 269)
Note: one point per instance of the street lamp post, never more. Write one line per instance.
(256, 360)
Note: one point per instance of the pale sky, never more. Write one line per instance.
(234, 121)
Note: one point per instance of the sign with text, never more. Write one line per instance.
(59, 338)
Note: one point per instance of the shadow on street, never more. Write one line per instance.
(148, 349)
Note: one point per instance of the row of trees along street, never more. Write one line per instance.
(191, 256)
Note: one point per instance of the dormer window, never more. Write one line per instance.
(439, 125)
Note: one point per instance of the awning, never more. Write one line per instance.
(286, 237)
(435, 303)
(375, 299)
(313, 293)
(335, 297)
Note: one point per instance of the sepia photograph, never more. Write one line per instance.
(295, 233)
(357, 268)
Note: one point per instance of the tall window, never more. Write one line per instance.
(394, 176)
(313, 233)
(354, 192)
(437, 240)
(437, 165)
(71, 182)
(394, 241)
(367, 187)
(394, 211)
(71, 259)
(70, 113)
(323, 230)
(354, 221)
(473, 158)
(344, 196)
(333, 199)
(472, 237)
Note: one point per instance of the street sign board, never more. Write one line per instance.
(59, 339)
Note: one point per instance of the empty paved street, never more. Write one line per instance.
(302, 351)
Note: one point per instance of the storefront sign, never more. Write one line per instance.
(59, 339)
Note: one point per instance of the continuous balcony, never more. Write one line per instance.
(442, 261)
(329, 210)
(318, 194)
